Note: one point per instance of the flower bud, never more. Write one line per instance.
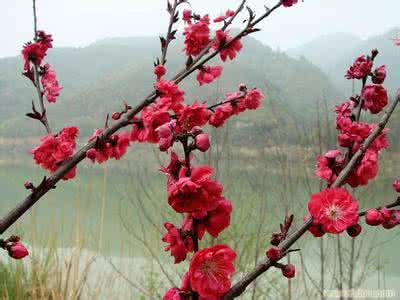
(396, 185)
(274, 253)
(389, 224)
(160, 71)
(165, 143)
(28, 185)
(197, 130)
(289, 271)
(91, 154)
(116, 115)
(276, 238)
(202, 142)
(386, 214)
(373, 217)
(379, 75)
(354, 230)
(164, 131)
(17, 251)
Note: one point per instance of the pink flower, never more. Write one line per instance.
(215, 222)
(208, 74)
(253, 99)
(114, 147)
(211, 270)
(173, 294)
(194, 115)
(396, 185)
(397, 41)
(229, 13)
(379, 75)
(179, 245)
(365, 171)
(334, 208)
(375, 98)
(35, 52)
(202, 142)
(289, 3)
(171, 96)
(229, 48)
(328, 166)
(173, 169)
(55, 149)
(187, 15)
(17, 250)
(51, 87)
(196, 193)
(152, 118)
(160, 71)
(360, 68)
(166, 135)
(197, 36)
(221, 114)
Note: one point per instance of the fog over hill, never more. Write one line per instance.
(98, 78)
(335, 53)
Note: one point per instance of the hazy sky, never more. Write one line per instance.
(80, 22)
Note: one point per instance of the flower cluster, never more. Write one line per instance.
(197, 35)
(334, 210)
(55, 149)
(51, 87)
(388, 218)
(236, 104)
(113, 147)
(352, 132)
(33, 54)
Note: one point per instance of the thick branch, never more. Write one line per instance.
(241, 286)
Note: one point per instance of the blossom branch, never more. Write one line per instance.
(42, 117)
(80, 155)
(243, 283)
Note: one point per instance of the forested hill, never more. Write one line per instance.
(335, 53)
(98, 78)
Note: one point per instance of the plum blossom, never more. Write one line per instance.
(335, 209)
(179, 245)
(51, 87)
(228, 47)
(360, 68)
(196, 193)
(197, 36)
(211, 270)
(375, 98)
(207, 74)
(55, 149)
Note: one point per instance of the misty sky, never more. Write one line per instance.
(80, 22)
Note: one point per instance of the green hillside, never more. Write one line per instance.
(98, 78)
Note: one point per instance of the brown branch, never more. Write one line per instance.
(36, 77)
(170, 36)
(80, 155)
(242, 284)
